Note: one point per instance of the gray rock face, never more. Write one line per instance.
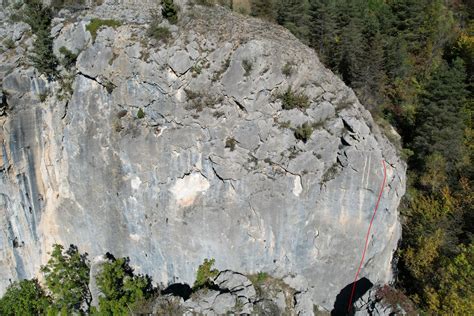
(211, 171)
(235, 293)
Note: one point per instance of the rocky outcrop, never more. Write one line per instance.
(211, 170)
(384, 300)
(235, 293)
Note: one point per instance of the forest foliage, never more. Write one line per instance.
(411, 62)
(65, 288)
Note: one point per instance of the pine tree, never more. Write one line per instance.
(67, 278)
(372, 79)
(25, 297)
(263, 9)
(39, 18)
(120, 287)
(351, 45)
(322, 27)
(292, 14)
(169, 11)
(440, 123)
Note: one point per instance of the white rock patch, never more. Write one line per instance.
(136, 183)
(186, 190)
(297, 187)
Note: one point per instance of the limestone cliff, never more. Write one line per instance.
(211, 170)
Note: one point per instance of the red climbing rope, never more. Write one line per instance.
(349, 307)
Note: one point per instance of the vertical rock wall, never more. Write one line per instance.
(170, 189)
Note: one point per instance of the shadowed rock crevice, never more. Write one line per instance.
(178, 289)
(341, 307)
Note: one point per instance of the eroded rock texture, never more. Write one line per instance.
(212, 170)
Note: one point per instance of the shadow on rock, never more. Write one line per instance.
(342, 299)
(178, 289)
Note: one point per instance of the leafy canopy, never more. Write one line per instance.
(67, 277)
(25, 297)
(120, 287)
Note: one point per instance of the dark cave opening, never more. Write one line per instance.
(178, 289)
(342, 299)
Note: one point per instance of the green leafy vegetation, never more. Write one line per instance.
(198, 101)
(9, 43)
(262, 8)
(25, 297)
(43, 96)
(66, 276)
(120, 287)
(109, 86)
(293, 100)
(66, 82)
(258, 278)
(140, 113)
(57, 5)
(205, 274)
(66, 288)
(169, 11)
(39, 18)
(218, 74)
(303, 132)
(287, 69)
(69, 58)
(247, 65)
(159, 33)
(95, 24)
(230, 143)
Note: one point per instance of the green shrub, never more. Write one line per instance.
(67, 4)
(330, 173)
(140, 114)
(121, 289)
(109, 86)
(24, 297)
(406, 153)
(196, 70)
(117, 125)
(169, 11)
(225, 65)
(9, 43)
(258, 278)
(303, 132)
(199, 101)
(247, 65)
(66, 82)
(67, 276)
(293, 100)
(69, 58)
(159, 33)
(287, 69)
(39, 18)
(205, 274)
(95, 24)
(283, 125)
(230, 143)
(43, 96)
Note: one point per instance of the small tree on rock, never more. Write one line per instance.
(169, 11)
(24, 297)
(67, 278)
(121, 288)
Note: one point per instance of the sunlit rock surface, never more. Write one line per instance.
(213, 170)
